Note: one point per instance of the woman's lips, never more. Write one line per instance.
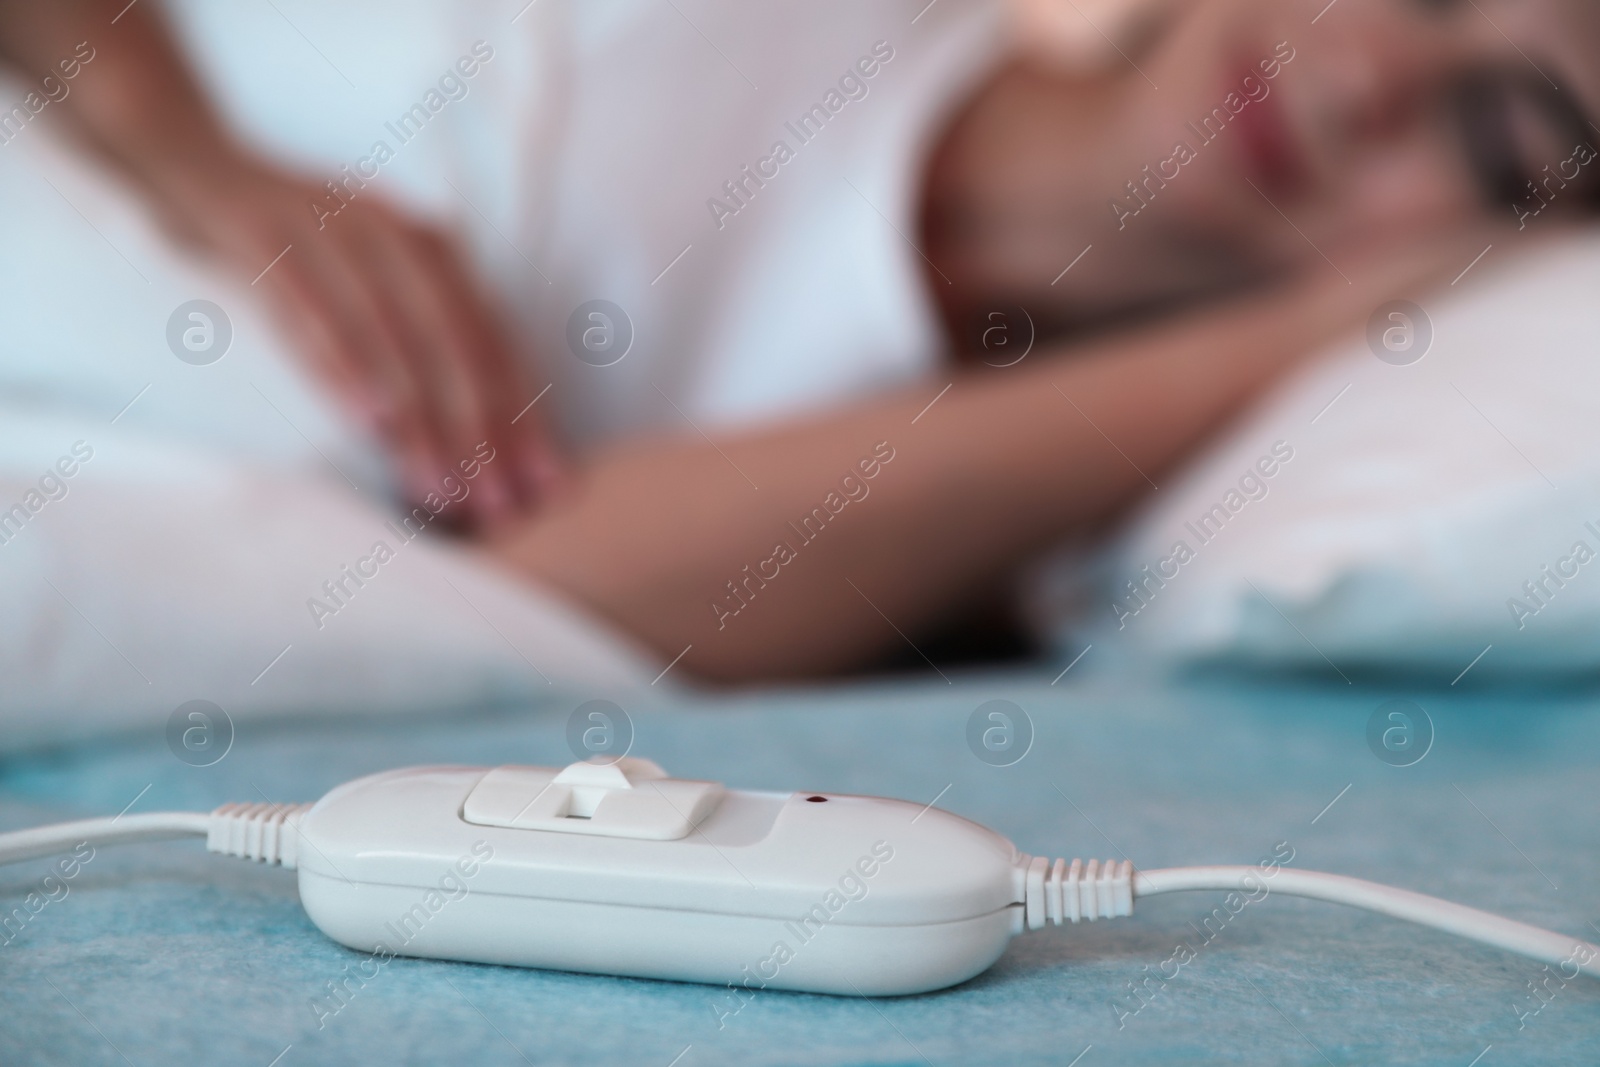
(1271, 157)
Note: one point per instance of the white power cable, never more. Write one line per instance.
(249, 831)
(22, 845)
(1546, 946)
(1083, 892)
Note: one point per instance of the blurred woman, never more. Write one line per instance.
(939, 301)
(1173, 229)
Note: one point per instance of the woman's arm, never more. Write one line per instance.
(1002, 466)
(132, 98)
(380, 306)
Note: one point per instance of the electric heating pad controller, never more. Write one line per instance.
(615, 868)
(618, 869)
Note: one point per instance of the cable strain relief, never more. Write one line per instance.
(267, 833)
(1063, 892)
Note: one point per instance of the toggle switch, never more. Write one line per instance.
(630, 797)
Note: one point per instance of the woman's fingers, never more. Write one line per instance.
(463, 363)
(433, 418)
(515, 429)
(387, 314)
(353, 343)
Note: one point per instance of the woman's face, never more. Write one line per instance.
(1364, 119)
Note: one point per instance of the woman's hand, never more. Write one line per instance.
(384, 311)
(380, 306)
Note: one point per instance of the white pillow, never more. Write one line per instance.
(179, 562)
(1418, 501)
(153, 574)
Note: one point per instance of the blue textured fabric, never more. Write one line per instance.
(163, 954)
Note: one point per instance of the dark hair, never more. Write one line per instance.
(1483, 105)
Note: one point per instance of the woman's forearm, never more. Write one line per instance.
(136, 103)
(734, 548)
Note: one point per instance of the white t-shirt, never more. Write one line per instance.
(583, 160)
(743, 186)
